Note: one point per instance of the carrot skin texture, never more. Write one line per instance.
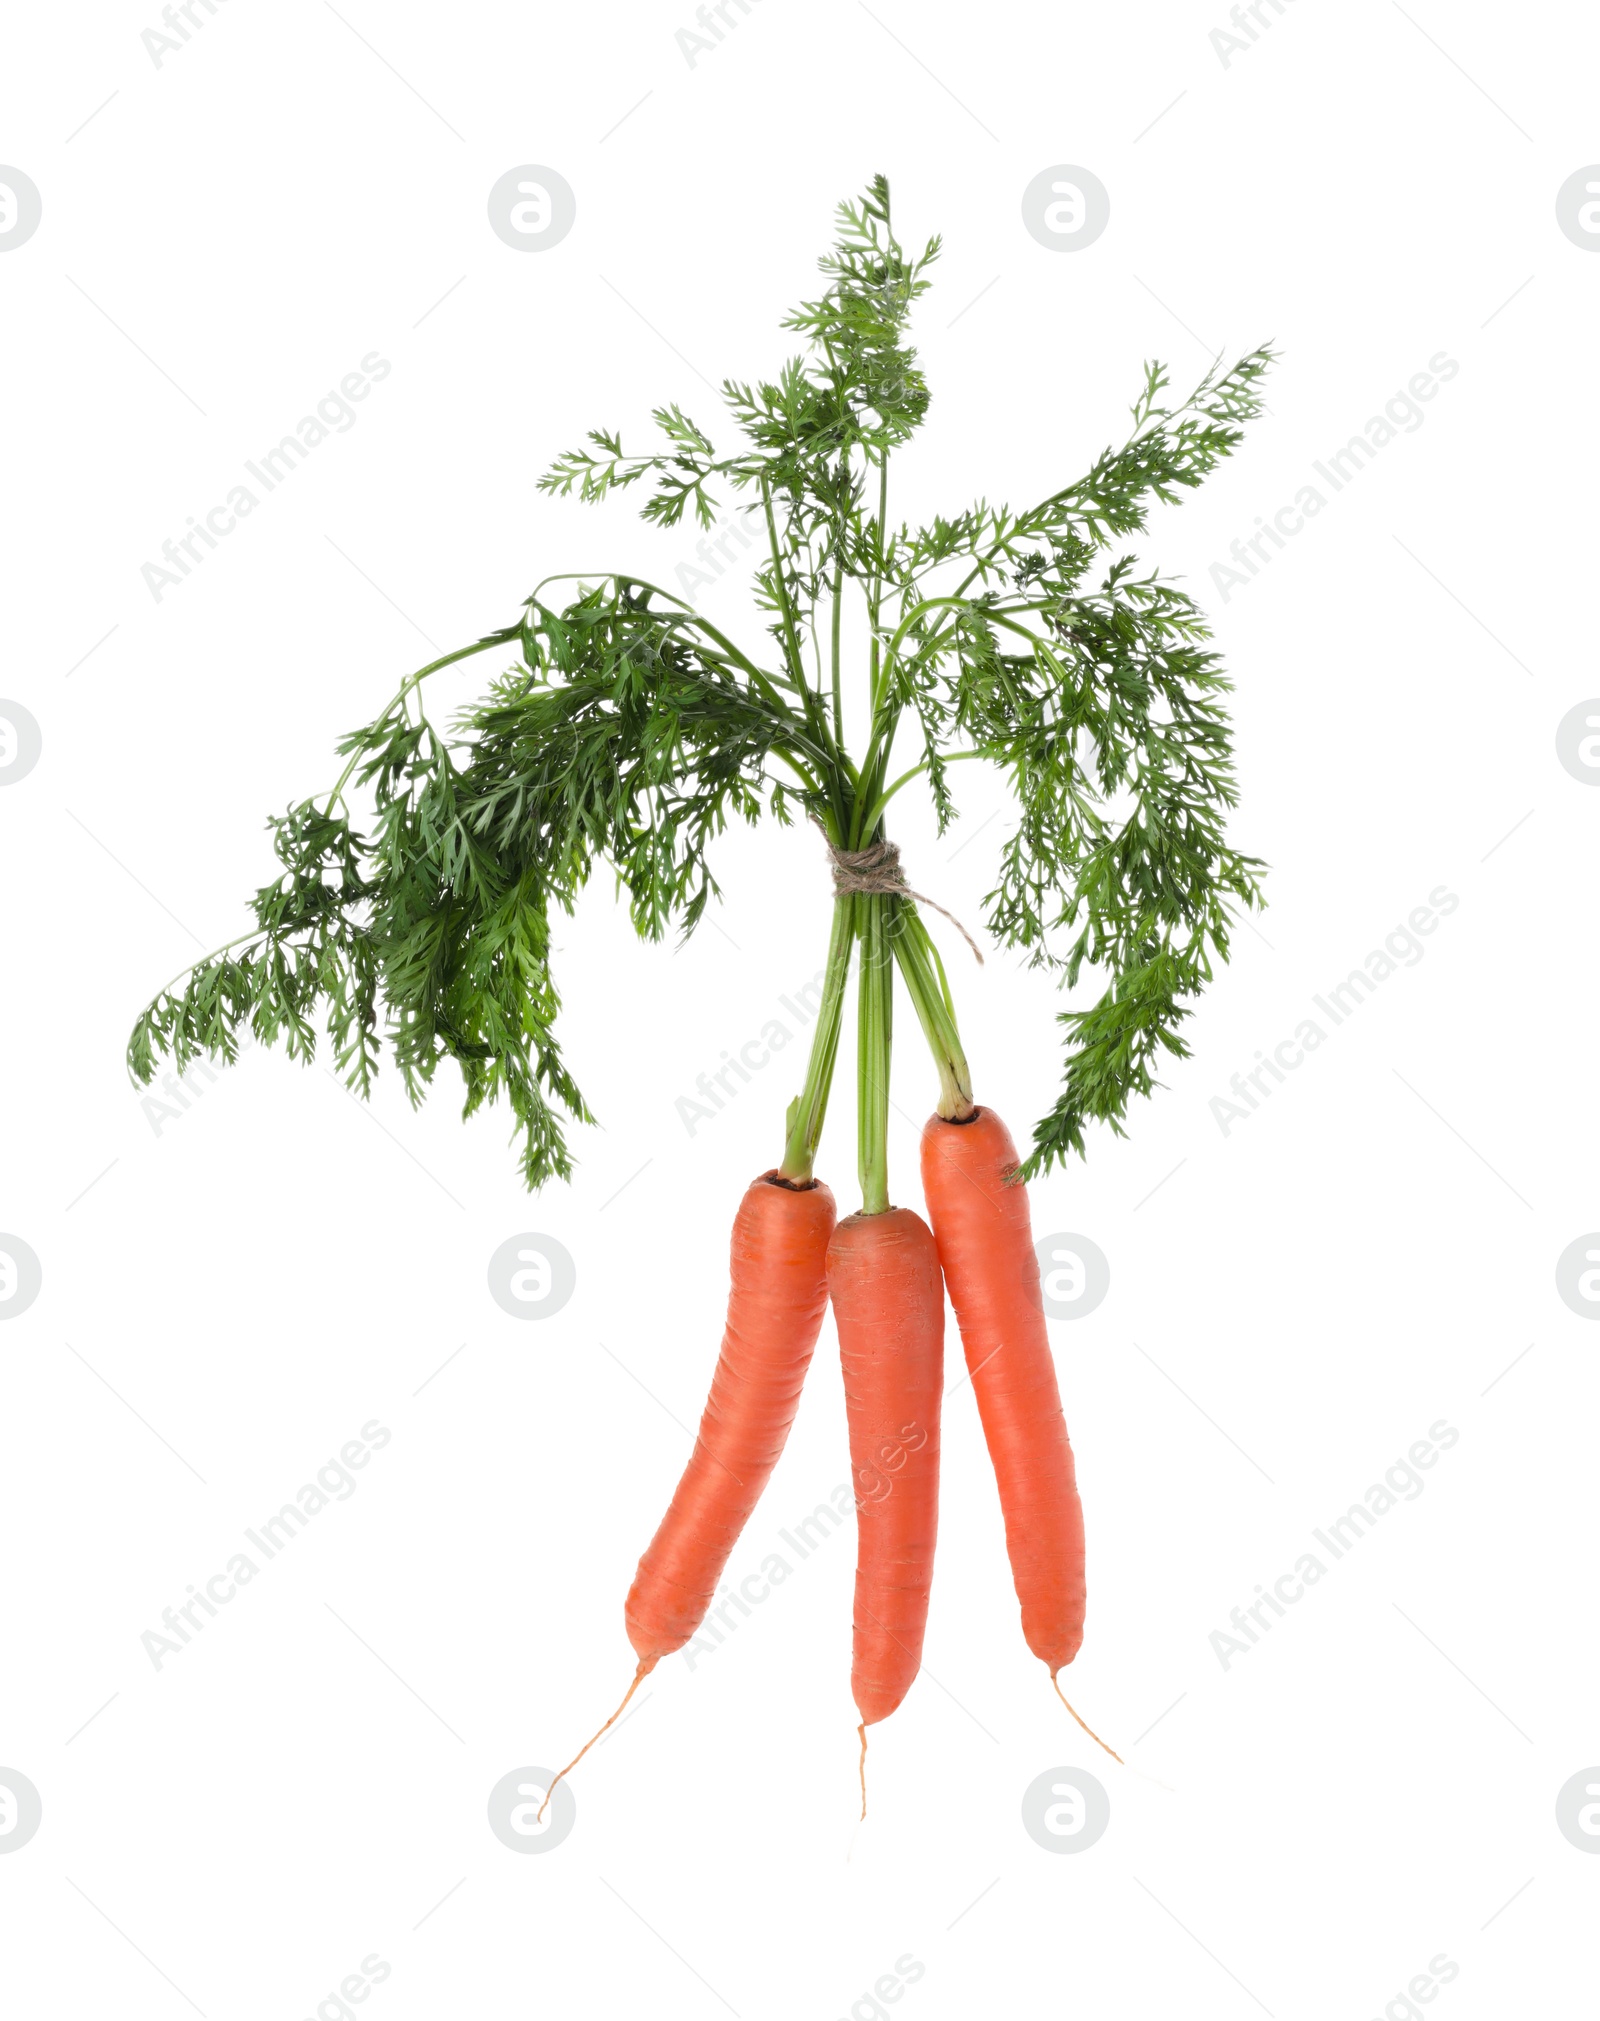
(777, 1293)
(888, 1303)
(985, 1242)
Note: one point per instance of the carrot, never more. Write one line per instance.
(888, 1301)
(776, 1296)
(775, 1305)
(986, 1251)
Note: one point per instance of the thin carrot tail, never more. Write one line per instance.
(862, 1730)
(646, 1665)
(1088, 1729)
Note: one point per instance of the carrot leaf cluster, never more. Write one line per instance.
(412, 906)
(619, 736)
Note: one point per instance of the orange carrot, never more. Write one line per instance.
(986, 1251)
(888, 1301)
(777, 1292)
(775, 1305)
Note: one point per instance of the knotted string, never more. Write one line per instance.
(875, 872)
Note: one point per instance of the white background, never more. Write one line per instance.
(234, 1296)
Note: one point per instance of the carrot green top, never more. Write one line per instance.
(411, 907)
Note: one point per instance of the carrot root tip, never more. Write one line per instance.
(862, 1730)
(1088, 1729)
(646, 1665)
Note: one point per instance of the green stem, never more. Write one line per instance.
(929, 990)
(885, 718)
(875, 812)
(239, 939)
(874, 770)
(690, 614)
(875, 592)
(873, 1045)
(816, 715)
(957, 602)
(810, 1106)
(780, 590)
(799, 770)
(838, 604)
(500, 638)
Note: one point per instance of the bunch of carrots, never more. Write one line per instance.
(630, 729)
(885, 1272)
